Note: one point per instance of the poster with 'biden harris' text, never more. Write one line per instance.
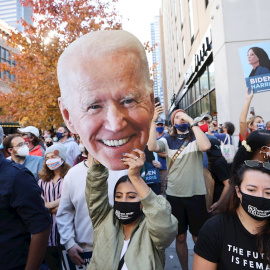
(256, 66)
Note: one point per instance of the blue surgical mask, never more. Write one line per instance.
(59, 135)
(182, 127)
(159, 129)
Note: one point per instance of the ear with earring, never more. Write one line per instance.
(264, 155)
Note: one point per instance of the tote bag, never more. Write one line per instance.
(227, 150)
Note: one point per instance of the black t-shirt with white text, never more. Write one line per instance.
(225, 241)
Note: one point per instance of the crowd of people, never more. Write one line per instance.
(114, 186)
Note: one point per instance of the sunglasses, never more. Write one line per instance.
(255, 163)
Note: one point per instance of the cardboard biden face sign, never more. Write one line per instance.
(106, 94)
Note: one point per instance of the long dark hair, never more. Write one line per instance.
(231, 202)
(122, 179)
(262, 55)
(255, 140)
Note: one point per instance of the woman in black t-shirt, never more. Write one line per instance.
(239, 236)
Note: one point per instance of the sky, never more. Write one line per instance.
(137, 16)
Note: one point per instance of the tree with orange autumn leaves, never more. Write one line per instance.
(57, 23)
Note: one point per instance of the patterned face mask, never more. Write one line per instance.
(54, 163)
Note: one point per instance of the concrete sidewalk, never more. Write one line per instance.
(172, 261)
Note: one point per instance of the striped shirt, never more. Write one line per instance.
(185, 177)
(52, 192)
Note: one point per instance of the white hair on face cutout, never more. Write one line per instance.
(96, 44)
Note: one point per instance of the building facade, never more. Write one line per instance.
(201, 61)
(11, 12)
(156, 59)
(5, 121)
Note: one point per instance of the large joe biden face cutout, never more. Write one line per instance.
(106, 95)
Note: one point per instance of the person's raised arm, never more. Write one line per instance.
(152, 142)
(243, 115)
(202, 140)
(157, 209)
(96, 193)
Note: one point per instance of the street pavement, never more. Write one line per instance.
(172, 261)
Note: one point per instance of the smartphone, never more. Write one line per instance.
(157, 99)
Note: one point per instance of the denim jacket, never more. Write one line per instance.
(154, 231)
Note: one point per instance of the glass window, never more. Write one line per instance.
(190, 10)
(213, 102)
(204, 82)
(178, 60)
(181, 104)
(188, 97)
(175, 9)
(193, 98)
(193, 111)
(198, 108)
(184, 50)
(211, 71)
(205, 104)
(197, 89)
(181, 12)
(184, 101)
(188, 111)
(3, 53)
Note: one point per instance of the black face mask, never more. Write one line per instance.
(127, 212)
(49, 144)
(256, 207)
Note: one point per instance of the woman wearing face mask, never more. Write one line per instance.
(135, 232)
(238, 237)
(51, 181)
(248, 126)
(256, 147)
(186, 187)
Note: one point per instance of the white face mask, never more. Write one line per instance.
(81, 147)
(23, 151)
(54, 163)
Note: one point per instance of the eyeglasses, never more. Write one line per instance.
(19, 145)
(256, 163)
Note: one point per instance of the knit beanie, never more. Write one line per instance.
(57, 149)
(174, 113)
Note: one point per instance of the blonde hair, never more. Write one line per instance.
(252, 119)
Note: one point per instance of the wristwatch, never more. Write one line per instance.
(194, 125)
